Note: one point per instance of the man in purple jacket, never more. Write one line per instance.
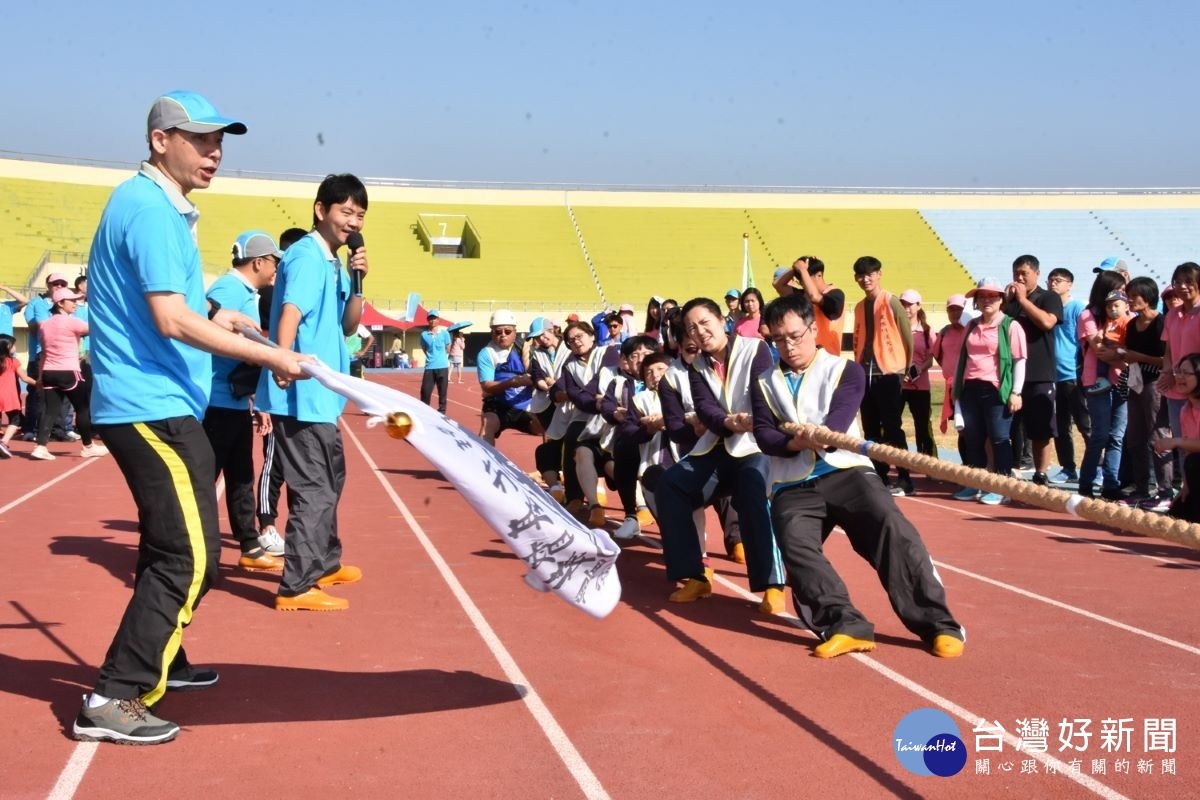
(813, 489)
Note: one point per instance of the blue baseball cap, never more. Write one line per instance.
(255, 244)
(733, 293)
(539, 326)
(191, 112)
(1112, 263)
(432, 314)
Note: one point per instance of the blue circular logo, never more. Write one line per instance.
(927, 742)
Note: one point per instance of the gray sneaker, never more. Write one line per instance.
(122, 722)
(270, 540)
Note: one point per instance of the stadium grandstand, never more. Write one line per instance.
(555, 251)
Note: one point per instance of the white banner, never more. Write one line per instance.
(577, 564)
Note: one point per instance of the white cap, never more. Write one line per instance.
(502, 316)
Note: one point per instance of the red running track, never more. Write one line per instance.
(448, 677)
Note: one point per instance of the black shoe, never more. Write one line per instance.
(1112, 494)
(1087, 492)
(1040, 479)
(190, 677)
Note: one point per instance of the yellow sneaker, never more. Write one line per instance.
(947, 646)
(738, 554)
(692, 590)
(839, 644)
(644, 517)
(772, 602)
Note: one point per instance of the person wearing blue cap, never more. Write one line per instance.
(229, 423)
(435, 341)
(153, 332)
(733, 310)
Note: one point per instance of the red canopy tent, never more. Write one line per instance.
(372, 317)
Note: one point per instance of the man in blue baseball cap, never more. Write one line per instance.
(231, 421)
(733, 308)
(152, 333)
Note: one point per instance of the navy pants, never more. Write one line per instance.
(688, 486)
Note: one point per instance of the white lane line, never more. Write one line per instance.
(72, 774)
(34, 492)
(1111, 547)
(81, 757)
(566, 750)
(1187, 648)
(928, 695)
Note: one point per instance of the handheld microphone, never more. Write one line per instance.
(354, 241)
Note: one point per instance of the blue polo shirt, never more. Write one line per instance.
(233, 292)
(435, 343)
(37, 312)
(85, 344)
(313, 280)
(7, 308)
(145, 243)
(1066, 341)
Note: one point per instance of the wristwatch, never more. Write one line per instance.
(213, 308)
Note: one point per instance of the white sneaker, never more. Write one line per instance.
(93, 451)
(627, 529)
(42, 454)
(270, 540)
(72, 436)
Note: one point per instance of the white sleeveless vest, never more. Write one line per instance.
(811, 404)
(733, 394)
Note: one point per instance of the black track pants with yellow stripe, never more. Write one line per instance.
(168, 465)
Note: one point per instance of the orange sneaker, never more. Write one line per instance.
(261, 561)
(839, 644)
(344, 574)
(312, 600)
(772, 602)
(692, 590)
(596, 517)
(947, 646)
(738, 554)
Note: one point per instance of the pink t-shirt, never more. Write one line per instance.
(983, 351)
(60, 337)
(749, 328)
(950, 344)
(1181, 332)
(1189, 421)
(922, 358)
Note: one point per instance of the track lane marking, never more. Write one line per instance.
(587, 780)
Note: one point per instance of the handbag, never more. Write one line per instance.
(243, 379)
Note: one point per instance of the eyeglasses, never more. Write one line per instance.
(1058, 279)
(577, 338)
(503, 331)
(791, 339)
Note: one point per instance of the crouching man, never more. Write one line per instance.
(813, 489)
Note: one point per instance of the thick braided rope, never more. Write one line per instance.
(1102, 512)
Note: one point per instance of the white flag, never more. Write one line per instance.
(577, 564)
